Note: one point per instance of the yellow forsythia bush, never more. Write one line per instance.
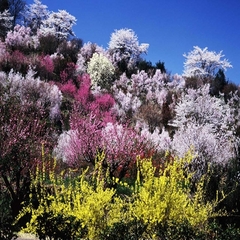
(91, 209)
(167, 199)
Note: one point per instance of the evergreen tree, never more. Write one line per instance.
(4, 5)
(218, 83)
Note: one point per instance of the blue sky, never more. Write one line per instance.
(171, 27)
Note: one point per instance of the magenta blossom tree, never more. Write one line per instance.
(23, 129)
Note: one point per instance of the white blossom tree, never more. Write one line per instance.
(124, 46)
(208, 147)
(101, 70)
(132, 93)
(58, 24)
(35, 14)
(204, 124)
(199, 107)
(204, 63)
(85, 54)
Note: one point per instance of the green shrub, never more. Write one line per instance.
(6, 220)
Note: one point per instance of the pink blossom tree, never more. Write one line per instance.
(20, 38)
(33, 91)
(88, 136)
(23, 129)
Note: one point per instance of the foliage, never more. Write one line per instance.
(7, 230)
(218, 83)
(70, 49)
(48, 44)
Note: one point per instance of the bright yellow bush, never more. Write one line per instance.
(167, 199)
(94, 205)
(154, 201)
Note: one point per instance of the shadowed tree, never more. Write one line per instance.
(161, 65)
(4, 6)
(218, 83)
(34, 15)
(16, 7)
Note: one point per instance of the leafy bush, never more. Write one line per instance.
(6, 219)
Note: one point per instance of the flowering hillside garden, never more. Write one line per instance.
(99, 143)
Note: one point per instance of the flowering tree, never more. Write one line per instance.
(79, 146)
(122, 145)
(3, 51)
(44, 67)
(124, 47)
(32, 90)
(209, 147)
(85, 54)
(199, 107)
(20, 38)
(140, 91)
(203, 63)
(58, 24)
(88, 136)
(34, 15)
(101, 71)
(204, 124)
(23, 129)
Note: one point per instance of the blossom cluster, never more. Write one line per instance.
(20, 36)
